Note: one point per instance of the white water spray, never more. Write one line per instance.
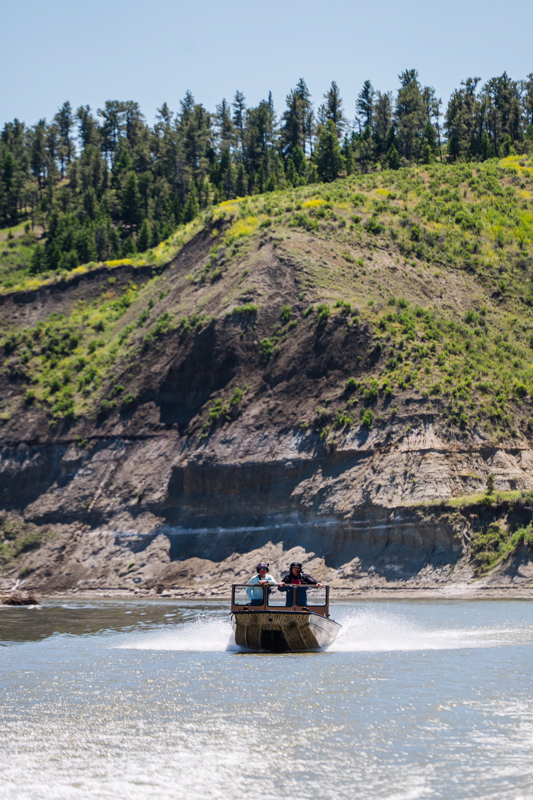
(365, 630)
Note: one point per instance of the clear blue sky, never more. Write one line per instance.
(96, 50)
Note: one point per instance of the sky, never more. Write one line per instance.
(153, 52)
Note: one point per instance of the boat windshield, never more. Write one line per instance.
(286, 597)
(298, 596)
(242, 595)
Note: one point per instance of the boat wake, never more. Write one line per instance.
(370, 630)
(362, 631)
(203, 635)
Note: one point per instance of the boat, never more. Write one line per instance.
(282, 619)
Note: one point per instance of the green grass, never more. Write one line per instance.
(437, 260)
(18, 538)
(494, 544)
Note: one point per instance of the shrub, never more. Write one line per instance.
(351, 385)
(323, 312)
(129, 401)
(267, 349)
(247, 310)
(371, 393)
(106, 406)
(236, 397)
(367, 418)
(285, 314)
(374, 226)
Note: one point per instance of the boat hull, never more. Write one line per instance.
(283, 631)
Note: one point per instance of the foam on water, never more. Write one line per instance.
(206, 634)
(362, 631)
(370, 630)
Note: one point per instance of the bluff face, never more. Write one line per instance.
(240, 408)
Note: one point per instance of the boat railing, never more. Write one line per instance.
(287, 598)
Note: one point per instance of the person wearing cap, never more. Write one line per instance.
(296, 576)
(261, 578)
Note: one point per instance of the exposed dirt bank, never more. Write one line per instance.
(228, 454)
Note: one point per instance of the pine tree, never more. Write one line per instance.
(192, 206)
(38, 151)
(131, 201)
(239, 115)
(225, 127)
(241, 183)
(382, 119)
(145, 236)
(393, 158)
(409, 115)
(129, 248)
(332, 109)
(364, 106)
(65, 123)
(365, 150)
(328, 157)
(297, 119)
(38, 260)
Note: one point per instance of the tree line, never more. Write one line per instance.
(107, 184)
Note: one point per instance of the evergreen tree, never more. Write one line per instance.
(297, 119)
(65, 123)
(239, 116)
(393, 158)
(38, 151)
(365, 150)
(145, 237)
(332, 109)
(131, 201)
(364, 106)
(129, 248)
(225, 127)
(503, 115)
(241, 183)
(462, 121)
(192, 207)
(409, 115)
(88, 128)
(113, 126)
(382, 118)
(527, 100)
(328, 156)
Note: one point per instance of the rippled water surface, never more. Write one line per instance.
(138, 700)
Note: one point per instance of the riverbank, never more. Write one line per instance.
(473, 592)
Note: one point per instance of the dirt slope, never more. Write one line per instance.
(231, 449)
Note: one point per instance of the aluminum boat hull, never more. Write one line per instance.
(283, 631)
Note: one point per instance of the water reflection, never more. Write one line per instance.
(78, 618)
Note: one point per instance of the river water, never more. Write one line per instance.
(150, 699)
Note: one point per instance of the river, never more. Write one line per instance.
(133, 700)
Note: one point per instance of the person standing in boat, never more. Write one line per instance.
(261, 578)
(296, 576)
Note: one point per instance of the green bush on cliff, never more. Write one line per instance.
(492, 545)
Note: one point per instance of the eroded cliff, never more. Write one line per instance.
(256, 396)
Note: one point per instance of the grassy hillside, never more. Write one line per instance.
(436, 262)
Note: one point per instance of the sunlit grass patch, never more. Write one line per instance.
(314, 203)
(242, 227)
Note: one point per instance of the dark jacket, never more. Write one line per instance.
(303, 577)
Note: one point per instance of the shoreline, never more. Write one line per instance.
(382, 593)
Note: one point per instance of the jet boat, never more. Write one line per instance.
(274, 619)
